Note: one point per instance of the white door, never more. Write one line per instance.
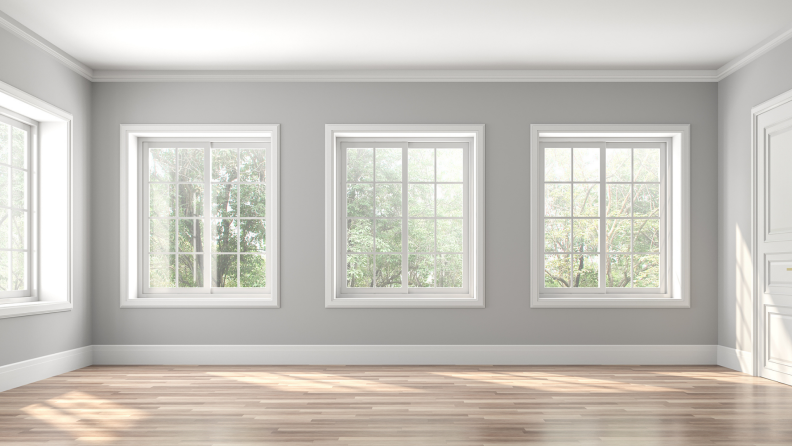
(773, 238)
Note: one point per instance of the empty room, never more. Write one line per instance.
(396, 222)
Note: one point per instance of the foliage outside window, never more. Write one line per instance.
(15, 143)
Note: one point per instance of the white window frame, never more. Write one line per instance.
(337, 295)
(133, 293)
(674, 291)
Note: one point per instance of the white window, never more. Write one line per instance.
(206, 223)
(609, 217)
(406, 217)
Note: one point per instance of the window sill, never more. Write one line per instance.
(259, 301)
(31, 308)
(414, 301)
(624, 301)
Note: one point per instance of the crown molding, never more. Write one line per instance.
(754, 53)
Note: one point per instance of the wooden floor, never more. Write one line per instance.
(371, 406)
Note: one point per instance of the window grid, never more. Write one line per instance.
(15, 148)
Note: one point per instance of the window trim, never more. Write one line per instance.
(678, 220)
(474, 298)
(132, 295)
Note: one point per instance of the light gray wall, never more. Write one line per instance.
(303, 109)
(768, 76)
(33, 71)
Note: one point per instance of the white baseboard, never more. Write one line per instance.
(734, 359)
(405, 354)
(32, 370)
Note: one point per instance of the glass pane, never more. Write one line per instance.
(557, 235)
(421, 167)
(191, 164)
(389, 235)
(224, 237)
(558, 201)
(421, 235)
(619, 200)
(585, 271)
(449, 235)
(647, 164)
(360, 270)
(252, 200)
(389, 271)
(360, 165)
(19, 230)
(5, 224)
(5, 146)
(19, 271)
(586, 200)
(4, 256)
(646, 202)
(360, 235)
(19, 188)
(224, 200)
(162, 236)
(360, 200)
(19, 148)
(4, 173)
(253, 271)
(646, 271)
(162, 270)
(388, 200)
(224, 165)
(450, 165)
(254, 235)
(558, 270)
(587, 164)
(190, 270)
(162, 165)
(450, 271)
(389, 164)
(618, 271)
(618, 164)
(617, 237)
(586, 235)
(420, 200)
(558, 164)
(420, 271)
(450, 200)
(191, 200)
(647, 235)
(224, 270)
(252, 168)
(162, 200)
(191, 236)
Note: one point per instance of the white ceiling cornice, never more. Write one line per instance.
(754, 53)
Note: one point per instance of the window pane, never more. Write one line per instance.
(224, 165)
(162, 270)
(19, 148)
(585, 271)
(450, 201)
(421, 167)
(558, 164)
(4, 256)
(224, 200)
(389, 271)
(646, 202)
(558, 200)
(360, 200)
(190, 270)
(586, 164)
(253, 235)
(586, 235)
(252, 166)
(421, 236)
(225, 236)
(5, 149)
(647, 164)
(19, 230)
(191, 235)
(191, 164)
(558, 234)
(253, 200)
(360, 235)
(360, 165)
(162, 165)
(618, 271)
(162, 200)
(646, 271)
(224, 270)
(5, 224)
(19, 271)
(586, 200)
(618, 235)
(647, 236)
(191, 200)
(420, 200)
(449, 270)
(420, 270)
(449, 235)
(389, 235)
(388, 200)
(619, 200)
(162, 236)
(558, 270)
(389, 164)
(450, 165)
(253, 269)
(618, 164)
(4, 173)
(19, 188)
(360, 270)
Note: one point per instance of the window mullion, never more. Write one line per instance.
(405, 226)
(603, 258)
(207, 206)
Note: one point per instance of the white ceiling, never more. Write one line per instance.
(402, 34)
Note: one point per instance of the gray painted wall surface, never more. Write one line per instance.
(303, 109)
(35, 72)
(763, 79)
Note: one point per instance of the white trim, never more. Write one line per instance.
(32, 370)
(31, 308)
(734, 359)
(754, 53)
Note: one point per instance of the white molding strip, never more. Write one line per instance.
(754, 53)
(734, 359)
(32, 370)
(405, 354)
